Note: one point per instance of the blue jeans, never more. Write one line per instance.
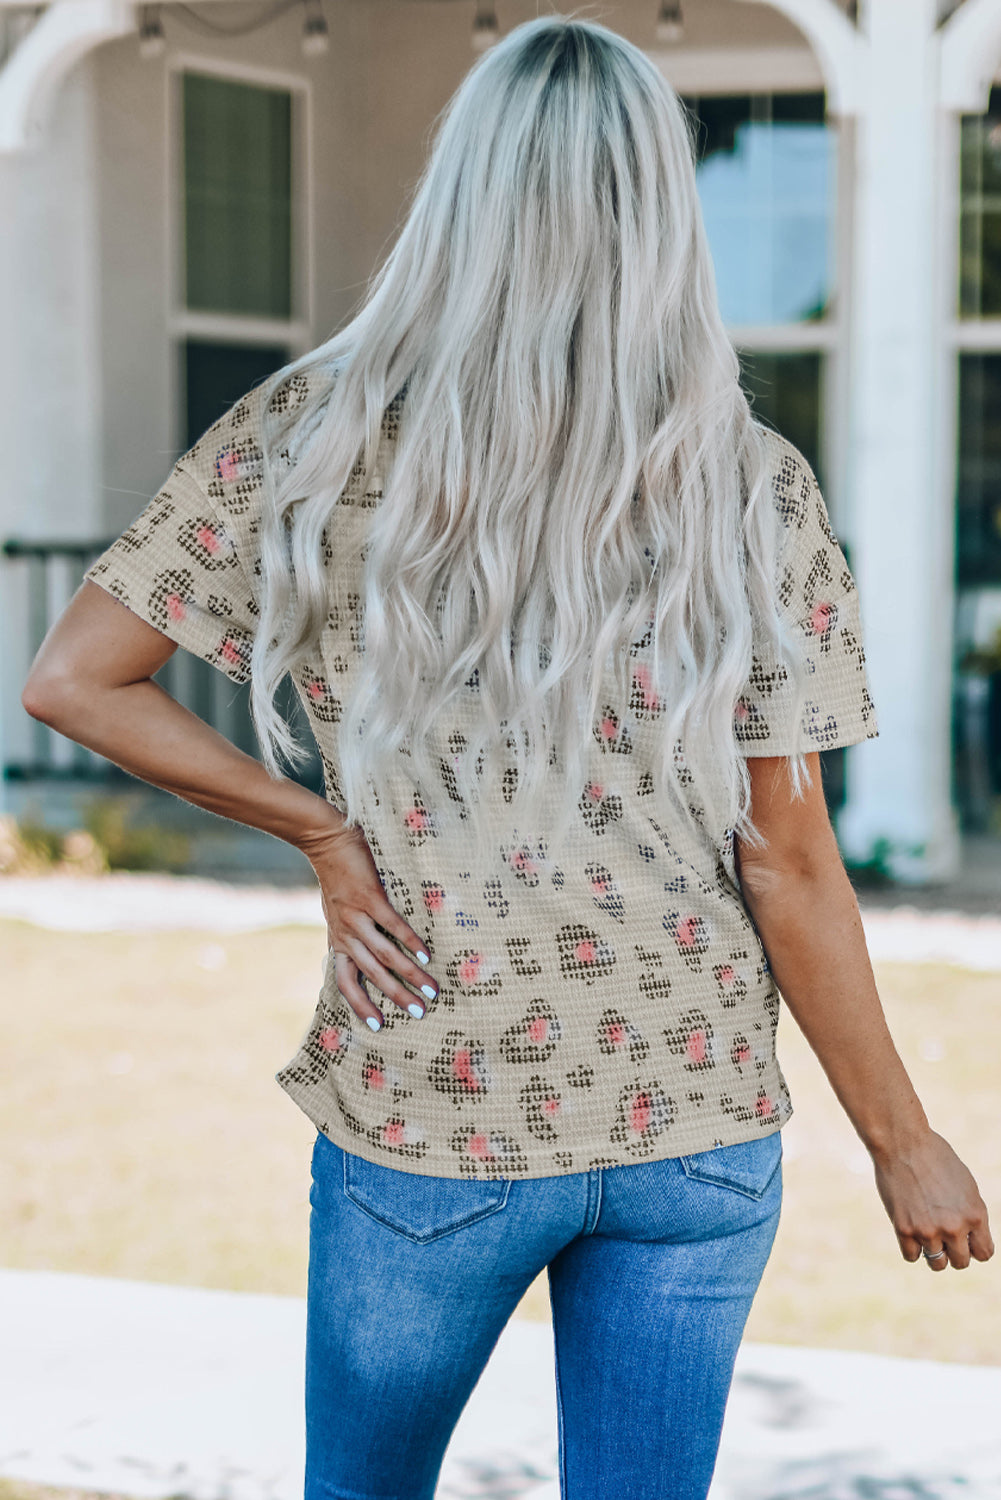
(652, 1268)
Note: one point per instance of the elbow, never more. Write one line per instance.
(800, 868)
(46, 696)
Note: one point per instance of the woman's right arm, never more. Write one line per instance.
(798, 894)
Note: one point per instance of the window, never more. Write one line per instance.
(978, 511)
(238, 200)
(980, 212)
(239, 317)
(217, 374)
(784, 391)
(766, 167)
(766, 176)
(977, 640)
(237, 197)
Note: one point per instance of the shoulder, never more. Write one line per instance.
(795, 490)
(227, 460)
(808, 537)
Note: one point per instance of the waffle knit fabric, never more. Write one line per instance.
(613, 1006)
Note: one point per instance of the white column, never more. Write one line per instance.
(901, 467)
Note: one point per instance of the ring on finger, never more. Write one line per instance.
(933, 1254)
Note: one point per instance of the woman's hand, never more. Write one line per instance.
(933, 1203)
(353, 903)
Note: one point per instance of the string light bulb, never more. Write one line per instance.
(315, 33)
(485, 28)
(670, 23)
(151, 38)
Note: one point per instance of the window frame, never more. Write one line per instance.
(183, 323)
(719, 71)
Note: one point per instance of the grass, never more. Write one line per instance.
(145, 1137)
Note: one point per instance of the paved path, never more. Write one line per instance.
(154, 1390)
(124, 902)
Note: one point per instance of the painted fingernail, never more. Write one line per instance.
(374, 1022)
(422, 957)
(427, 990)
(416, 1010)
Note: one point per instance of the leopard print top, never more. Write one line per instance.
(615, 1006)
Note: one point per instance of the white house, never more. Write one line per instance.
(190, 194)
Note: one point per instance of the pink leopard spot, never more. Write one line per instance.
(470, 968)
(462, 1067)
(228, 465)
(696, 1047)
(764, 1105)
(551, 1106)
(616, 1033)
(230, 651)
(821, 618)
(595, 792)
(392, 1133)
(599, 887)
(742, 1054)
(725, 975)
(585, 951)
(538, 1028)
(208, 538)
(330, 1038)
(609, 728)
(316, 689)
(434, 899)
(687, 931)
(415, 819)
(641, 679)
(375, 1078)
(478, 1146)
(175, 607)
(639, 1113)
(741, 712)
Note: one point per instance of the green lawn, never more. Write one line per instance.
(145, 1137)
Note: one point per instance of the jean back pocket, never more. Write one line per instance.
(745, 1168)
(420, 1207)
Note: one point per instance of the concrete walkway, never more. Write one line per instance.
(126, 902)
(153, 1391)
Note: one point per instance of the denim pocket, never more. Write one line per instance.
(746, 1168)
(420, 1207)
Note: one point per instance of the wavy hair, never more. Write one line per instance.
(576, 462)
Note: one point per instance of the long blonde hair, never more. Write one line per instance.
(575, 456)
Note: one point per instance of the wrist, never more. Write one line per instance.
(323, 825)
(897, 1135)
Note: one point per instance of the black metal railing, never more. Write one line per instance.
(42, 577)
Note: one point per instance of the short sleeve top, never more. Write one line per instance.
(612, 1007)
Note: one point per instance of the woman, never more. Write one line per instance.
(573, 842)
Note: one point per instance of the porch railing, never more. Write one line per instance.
(42, 578)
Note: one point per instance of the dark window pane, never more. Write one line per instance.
(980, 212)
(978, 511)
(216, 375)
(237, 197)
(799, 108)
(766, 175)
(784, 392)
